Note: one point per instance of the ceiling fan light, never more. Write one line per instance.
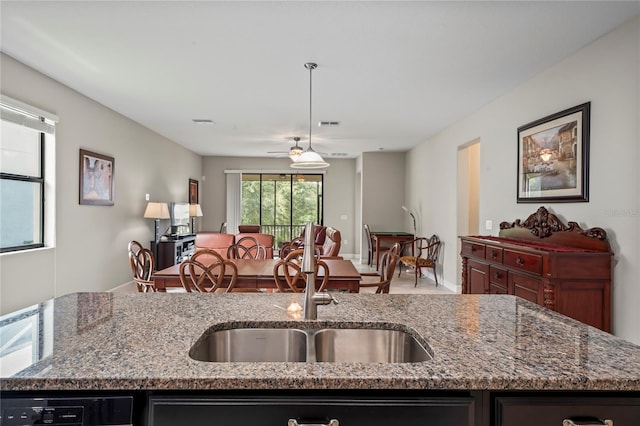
(294, 153)
(309, 160)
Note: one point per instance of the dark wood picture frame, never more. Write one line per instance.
(553, 157)
(96, 186)
(193, 191)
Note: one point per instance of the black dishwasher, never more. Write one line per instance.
(67, 411)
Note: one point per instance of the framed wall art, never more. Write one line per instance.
(553, 157)
(193, 191)
(96, 178)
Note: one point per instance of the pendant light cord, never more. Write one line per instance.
(310, 102)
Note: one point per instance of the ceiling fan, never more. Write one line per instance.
(294, 152)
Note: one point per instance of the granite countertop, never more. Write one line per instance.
(141, 341)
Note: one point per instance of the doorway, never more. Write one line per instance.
(468, 195)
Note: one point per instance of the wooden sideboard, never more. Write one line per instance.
(561, 267)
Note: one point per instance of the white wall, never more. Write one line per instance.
(605, 73)
(339, 192)
(91, 246)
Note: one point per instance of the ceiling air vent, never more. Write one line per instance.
(328, 123)
(338, 154)
(203, 121)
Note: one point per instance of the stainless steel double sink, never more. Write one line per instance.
(281, 344)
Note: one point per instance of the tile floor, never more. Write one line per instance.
(404, 284)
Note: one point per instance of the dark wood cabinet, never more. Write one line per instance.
(174, 251)
(536, 410)
(562, 267)
(313, 410)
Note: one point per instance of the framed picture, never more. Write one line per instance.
(193, 191)
(96, 178)
(553, 157)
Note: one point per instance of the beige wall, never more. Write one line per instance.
(605, 73)
(339, 191)
(91, 241)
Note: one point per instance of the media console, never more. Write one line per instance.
(174, 250)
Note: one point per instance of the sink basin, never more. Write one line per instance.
(368, 345)
(363, 345)
(252, 345)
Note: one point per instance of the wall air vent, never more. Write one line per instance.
(203, 121)
(338, 154)
(328, 123)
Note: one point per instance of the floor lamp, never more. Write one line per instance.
(156, 211)
(414, 220)
(194, 211)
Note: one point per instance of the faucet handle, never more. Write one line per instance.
(333, 299)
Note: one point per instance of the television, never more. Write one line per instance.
(179, 213)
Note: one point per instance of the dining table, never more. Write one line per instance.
(258, 274)
(380, 237)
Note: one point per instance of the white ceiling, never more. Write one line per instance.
(392, 73)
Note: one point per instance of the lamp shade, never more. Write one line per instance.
(195, 210)
(157, 211)
(309, 160)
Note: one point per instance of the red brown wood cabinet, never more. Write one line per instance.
(567, 270)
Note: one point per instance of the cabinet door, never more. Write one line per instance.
(526, 287)
(348, 411)
(536, 411)
(478, 276)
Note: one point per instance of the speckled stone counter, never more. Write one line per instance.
(141, 341)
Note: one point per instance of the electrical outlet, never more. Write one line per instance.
(345, 242)
(488, 224)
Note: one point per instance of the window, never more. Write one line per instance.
(281, 203)
(23, 132)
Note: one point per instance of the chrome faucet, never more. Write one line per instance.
(311, 298)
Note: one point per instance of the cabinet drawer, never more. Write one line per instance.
(498, 276)
(494, 254)
(536, 411)
(267, 411)
(523, 261)
(473, 249)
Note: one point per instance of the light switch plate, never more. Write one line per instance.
(488, 224)
(146, 197)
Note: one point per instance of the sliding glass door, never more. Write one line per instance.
(281, 203)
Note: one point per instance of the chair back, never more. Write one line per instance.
(367, 233)
(207, 271)
(331, 246)
(386, 269)
(288, 275)
(134, 247)
(213, 240)
(266, 240)
(142, 266)
(428, 248)
(243, 229)
(247, 248)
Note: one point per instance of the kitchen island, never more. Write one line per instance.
(484, 347)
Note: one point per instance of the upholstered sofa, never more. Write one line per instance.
(221, 242)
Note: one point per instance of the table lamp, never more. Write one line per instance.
(157, 211)
(412, 217)
(194, 211)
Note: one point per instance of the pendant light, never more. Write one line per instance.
(309, 159)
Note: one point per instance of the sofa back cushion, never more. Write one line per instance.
(213, 240)
(263, 239)
(331, 246)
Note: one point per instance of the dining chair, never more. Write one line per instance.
(142, 267)
(426, 252)
(247, 248)
(207, 271)
(371, 245)
(385, 271)
(288, 275)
